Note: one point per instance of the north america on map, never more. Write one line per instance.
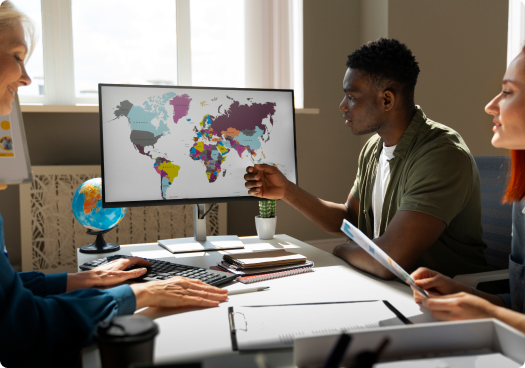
(235, 127)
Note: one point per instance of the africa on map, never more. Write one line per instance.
(197, 143)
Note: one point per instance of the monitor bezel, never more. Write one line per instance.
(173, 202)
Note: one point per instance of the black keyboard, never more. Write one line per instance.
(162, 270)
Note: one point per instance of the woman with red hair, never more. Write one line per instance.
(451, 300)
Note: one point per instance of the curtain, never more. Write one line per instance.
(273, 45)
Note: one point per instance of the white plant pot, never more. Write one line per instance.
(265, 227)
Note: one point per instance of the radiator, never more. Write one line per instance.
(50, 234)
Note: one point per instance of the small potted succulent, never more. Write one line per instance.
(266, 221)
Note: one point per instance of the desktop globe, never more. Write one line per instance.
(87, 209)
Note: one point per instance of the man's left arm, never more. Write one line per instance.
(438, 187)
(405, 240)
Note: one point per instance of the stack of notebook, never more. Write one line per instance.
(259, 266)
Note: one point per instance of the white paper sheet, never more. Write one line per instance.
(15, 167)
(275, 327)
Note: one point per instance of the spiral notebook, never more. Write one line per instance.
(267, 258)
(250, 279)
(273, 275)
(261, 270)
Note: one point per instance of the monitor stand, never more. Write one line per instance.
(200, 242)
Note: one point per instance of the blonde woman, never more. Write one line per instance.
(46, 319)
(455, 301)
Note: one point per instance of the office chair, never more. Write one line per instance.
(496, 219)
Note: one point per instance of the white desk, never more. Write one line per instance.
(197, 333)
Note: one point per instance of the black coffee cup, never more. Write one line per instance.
(126, 340)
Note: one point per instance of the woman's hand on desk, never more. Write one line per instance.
(174, 292)
(109, 274)
(178, 292)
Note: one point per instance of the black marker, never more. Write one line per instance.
(367, 359)
(337, 354)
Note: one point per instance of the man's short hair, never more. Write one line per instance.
(389, 63)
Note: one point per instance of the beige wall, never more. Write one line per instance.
(373, 24)
(373, 20)
(461, 47)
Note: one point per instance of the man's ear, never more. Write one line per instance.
(389, 99)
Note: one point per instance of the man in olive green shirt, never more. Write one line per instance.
(418, 176)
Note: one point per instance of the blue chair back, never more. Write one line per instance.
(496, 217)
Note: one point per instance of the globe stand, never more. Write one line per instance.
(100, 245)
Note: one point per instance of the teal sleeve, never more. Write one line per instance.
(125, 298)
(43, 285)
(56, 283)
(50, 331)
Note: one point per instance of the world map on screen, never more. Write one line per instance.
(221, 132)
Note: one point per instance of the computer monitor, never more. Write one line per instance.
(166, 145)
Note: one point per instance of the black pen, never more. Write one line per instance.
(367, 359)
(338, 353)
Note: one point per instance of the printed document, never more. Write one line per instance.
(275, 327)
(379, 255)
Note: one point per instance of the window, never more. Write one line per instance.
(168, 42)
(123, 41)
(217, 48)
(516, 34)
(35, 66)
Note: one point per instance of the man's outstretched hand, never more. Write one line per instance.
(265, 181)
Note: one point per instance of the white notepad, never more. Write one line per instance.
(185, 245)
(276, 327)
(15, 167)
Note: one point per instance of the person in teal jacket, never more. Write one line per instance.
(46, 319)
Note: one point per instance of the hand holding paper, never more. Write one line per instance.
(379, 255)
